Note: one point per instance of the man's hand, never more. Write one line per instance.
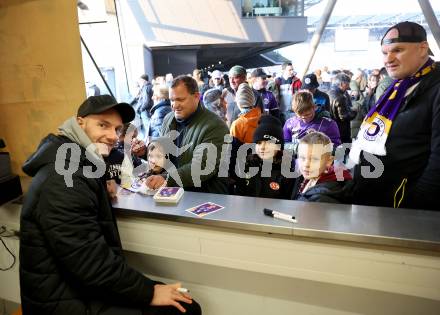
(112, 189)
(154, 181)
(167, 294)
(138, 148)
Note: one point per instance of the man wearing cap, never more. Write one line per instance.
(237, 75)
(217, 80)
(400, 136)
(71, 258)
(321, 99)
(259, 85)
(340, 106)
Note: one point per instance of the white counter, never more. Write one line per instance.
(236, 270)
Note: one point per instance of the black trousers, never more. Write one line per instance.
(191, 309)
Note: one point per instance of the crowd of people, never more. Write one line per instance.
(333, 104)
(240, 132)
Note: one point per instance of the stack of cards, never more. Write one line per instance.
(168, 194)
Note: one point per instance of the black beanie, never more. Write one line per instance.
(269, 128)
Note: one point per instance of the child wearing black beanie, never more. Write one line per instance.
(268, 181)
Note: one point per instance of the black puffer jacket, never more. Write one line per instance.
(341, 112)
(70, 250)
(330, 192)
(276, 186)
(328, 188)
(412, 165)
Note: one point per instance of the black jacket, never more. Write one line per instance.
(70, 250)
(413, 154)
(327, 189)
(145, 101)
(114, 163)
(341, 112)
(276, 186)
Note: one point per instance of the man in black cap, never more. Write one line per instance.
(341, 109)
(71, 258)
(259, 84)
(400, 136)
(321, 99)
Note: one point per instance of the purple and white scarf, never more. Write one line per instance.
(377, 124)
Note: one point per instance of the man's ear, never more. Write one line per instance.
(425, 47)
(80, 121)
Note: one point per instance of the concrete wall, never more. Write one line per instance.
(197, 22)
(161, 23)
(41, 77)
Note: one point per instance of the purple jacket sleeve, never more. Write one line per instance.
(333, 133)
(287, 134)
(272, 102)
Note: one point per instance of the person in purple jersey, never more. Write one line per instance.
(259, 84)
(306, 120)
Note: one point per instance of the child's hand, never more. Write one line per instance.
(154, 181)
(112, 189)
(138, 148)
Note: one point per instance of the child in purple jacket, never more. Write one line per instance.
(306, 120)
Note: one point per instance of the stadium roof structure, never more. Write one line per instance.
(377, 20)
(370, 14)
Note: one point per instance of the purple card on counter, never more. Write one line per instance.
(204, 209)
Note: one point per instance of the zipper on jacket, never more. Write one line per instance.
(402, 188)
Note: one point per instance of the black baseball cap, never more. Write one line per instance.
(409, 32)
(101, 103)
(259, 73)
(310, 82)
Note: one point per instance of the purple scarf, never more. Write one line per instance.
(377, 124)
(389, 103)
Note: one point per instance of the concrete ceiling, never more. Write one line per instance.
(224, 56)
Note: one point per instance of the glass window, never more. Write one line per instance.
(254, 8)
